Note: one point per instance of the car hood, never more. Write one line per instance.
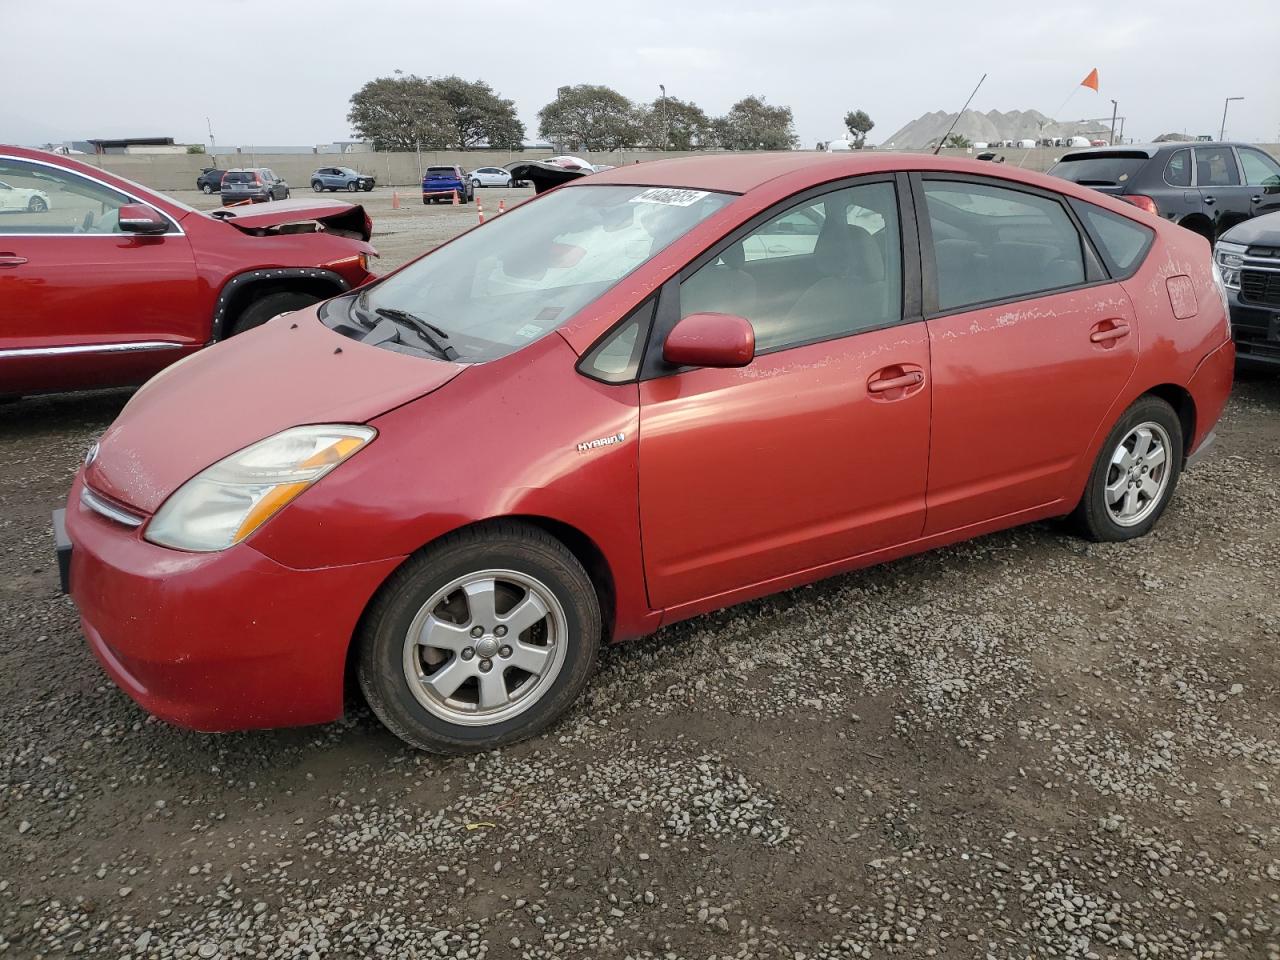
(335, 214)
(293, 370)
(1260, 230)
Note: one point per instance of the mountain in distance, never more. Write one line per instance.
(989, 127)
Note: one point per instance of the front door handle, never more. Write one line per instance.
(11, 260)
(1114, 332)
(1257, 199)
(1209, 200)
(911, 379)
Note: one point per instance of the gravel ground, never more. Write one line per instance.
(1021, 747)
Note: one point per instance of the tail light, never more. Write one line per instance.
(257, 179)
(1142, 203)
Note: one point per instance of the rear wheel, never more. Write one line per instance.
(206, 189)
(482, 639)
(317, 186)
(37, 205)
(272, 305)
(1135, 474)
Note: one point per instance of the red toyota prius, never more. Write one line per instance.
(648, 394)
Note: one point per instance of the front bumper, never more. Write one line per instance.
(215, 641)
(1256, 330)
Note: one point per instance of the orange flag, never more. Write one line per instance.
(1091, 81)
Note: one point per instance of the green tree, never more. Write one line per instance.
(957, 140)
(589, 117)
(477, 115)
(400, 113)
(859, 125)
(670, 123)
(751, 124)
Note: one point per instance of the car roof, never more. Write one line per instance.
(744, 172)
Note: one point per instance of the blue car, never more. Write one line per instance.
(440, 183)
(340, 178)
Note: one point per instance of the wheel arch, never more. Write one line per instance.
(242, 289)
(1184, 405)
(1198, 223)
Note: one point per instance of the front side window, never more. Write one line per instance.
(992, 244)
(1215, 167)
(1177, 172)
(1260, 170)
(825, 268)
(40, 199)
(495, 290)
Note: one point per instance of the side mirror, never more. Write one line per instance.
(710, 340)
(139, 218)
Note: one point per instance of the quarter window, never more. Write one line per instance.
(1215, 167)
(39, 199)
(1177, 172)
(825, 268)
(1259, 169)
(1123, 242)
(992, 244)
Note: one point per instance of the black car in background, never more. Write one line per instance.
(1205, 187)
(210, 180)
(1248, 257)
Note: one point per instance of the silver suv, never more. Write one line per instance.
(252, 184)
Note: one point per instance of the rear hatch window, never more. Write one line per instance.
(442, 173)
(239, 178)
(1114, 169)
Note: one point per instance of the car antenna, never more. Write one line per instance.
(958, 116)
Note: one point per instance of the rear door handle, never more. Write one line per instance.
(1112, 333)
(895, 383)
(1209, 200)
(11, 260)
(1257, 199)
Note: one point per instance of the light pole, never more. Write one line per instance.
(666, 132)
(213, 152)
(1226, 103)
(1114, 107)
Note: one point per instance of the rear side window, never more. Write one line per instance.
(992, 244)
(1216, 167)
(1099, 169)
(1122, 242)
(1177, 172)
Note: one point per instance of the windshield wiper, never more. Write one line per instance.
(435, 337)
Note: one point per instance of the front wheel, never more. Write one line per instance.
(36, 205)
(352, 187)
(272, 305)
(480, 640)
(1135, 474)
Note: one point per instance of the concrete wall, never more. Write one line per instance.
(162, 172)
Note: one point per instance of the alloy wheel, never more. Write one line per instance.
(485, 647)
(1138, 475)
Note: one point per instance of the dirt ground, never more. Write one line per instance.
(1025, 746)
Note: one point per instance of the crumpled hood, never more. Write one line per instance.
(293, 370)
(334, 214)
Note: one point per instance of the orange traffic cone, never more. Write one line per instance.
(480, 209)
(455, 198)
(502, 206)
(395, 200)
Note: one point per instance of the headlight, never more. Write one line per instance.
(223, 504)
(1229, 258)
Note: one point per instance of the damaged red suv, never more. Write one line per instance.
(648, 394)
(104, 282)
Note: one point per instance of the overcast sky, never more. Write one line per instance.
(74, 69)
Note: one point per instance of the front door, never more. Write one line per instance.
(1262, 175)
(82, 304)
(818, 450)
(1030, 347)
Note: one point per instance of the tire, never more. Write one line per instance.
(352, 186)
(206, 189)
(317, 186)
(1140, 486)
(36, 205)
(272, 305)
(368, 188)
(563, 641)
(476, 185)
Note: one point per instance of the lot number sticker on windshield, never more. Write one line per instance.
(672, 198)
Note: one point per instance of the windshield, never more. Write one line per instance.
(1099, 169)
(495, 290)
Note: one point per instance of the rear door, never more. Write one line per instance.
(810, 454)
(84, 305)
(1226, 198)
(1262, 175)
(1030, 345)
